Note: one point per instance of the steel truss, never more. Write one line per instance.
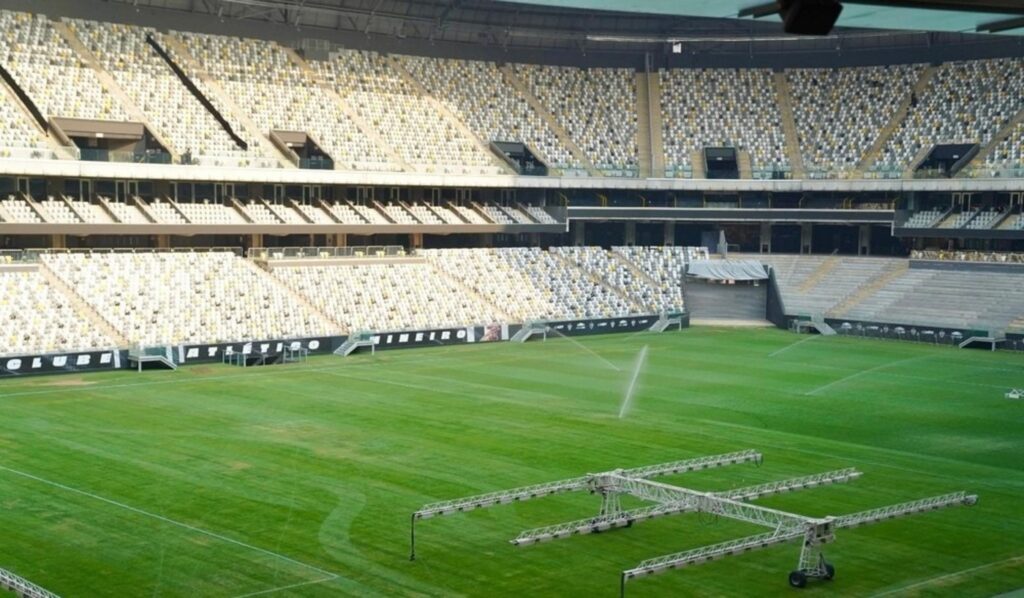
(670, 500)
(22, 587)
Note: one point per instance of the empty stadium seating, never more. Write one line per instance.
(840, 113)
(405, 119)
(944, 298)
(38, 318)
(50, 71)
(721, 108)
(966, 102)
(168, 105)
(476, 92)
(168, 298)
(279, 96)
(387, 297)
(596, 106)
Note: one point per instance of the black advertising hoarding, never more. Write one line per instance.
(603, 325)
(61, 363)
(185, 354)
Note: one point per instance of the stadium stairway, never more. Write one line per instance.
(645, 129)
(469, 290)
(445, 113)
(81, 306)
(563, 136)
(600, 281)
(51, 140)
(657, 122)
(267, 274)
(111, 85)
(697, 163)
(869, 287)
(827, 266)
(871, 156)
(745, 164)
(364, 127)
(636, 272)
(1001, 135)
(793, 151)
(222, 98)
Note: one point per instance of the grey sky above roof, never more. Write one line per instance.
(872, 15)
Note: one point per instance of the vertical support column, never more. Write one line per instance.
(163, 241)
(864, 240)
(631, 233)
(670, 233)
(340, 239)
(579, 233)
(765, 243)
(806, 236)
(256, 240)
(416, 241)
(59, 241)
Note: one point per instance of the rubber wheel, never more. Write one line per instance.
(797, 579)
(830, 571)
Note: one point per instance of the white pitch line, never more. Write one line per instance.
(288, 587)
(941, 578)
(167, 520)
(867, 371)
(791, 345)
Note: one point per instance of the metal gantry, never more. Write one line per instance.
(22, 587)
(671, 500)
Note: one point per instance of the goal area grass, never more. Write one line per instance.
(300, 480)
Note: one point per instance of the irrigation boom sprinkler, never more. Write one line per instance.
(668, 499)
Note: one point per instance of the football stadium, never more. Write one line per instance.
(511, 298)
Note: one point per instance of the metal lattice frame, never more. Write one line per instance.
(22, 587)
(671, 500)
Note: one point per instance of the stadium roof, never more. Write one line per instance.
(585, 27)
(907, 15)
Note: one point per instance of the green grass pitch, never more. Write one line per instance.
(299, 480)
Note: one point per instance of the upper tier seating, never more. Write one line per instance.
(966, 102)
(387, 297)
(207, 212)
(1007, 158)
(279, 96)
(169, 298)
(58, 211)
(18, 210)
(540, 215)
(597, 107)
(168, 105)
(92, 212)
(839, 113)
(51, 72)
(38, 318)
(924, 219)
(126, 213)
(721, 108)
(18, 137)
(346, 214)
(405, 119)
(165, 212)
(477, 93)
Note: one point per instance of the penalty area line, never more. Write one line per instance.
(288, 587)
(863, 372)
(192, 528)
(938, 579)
(791, 345)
